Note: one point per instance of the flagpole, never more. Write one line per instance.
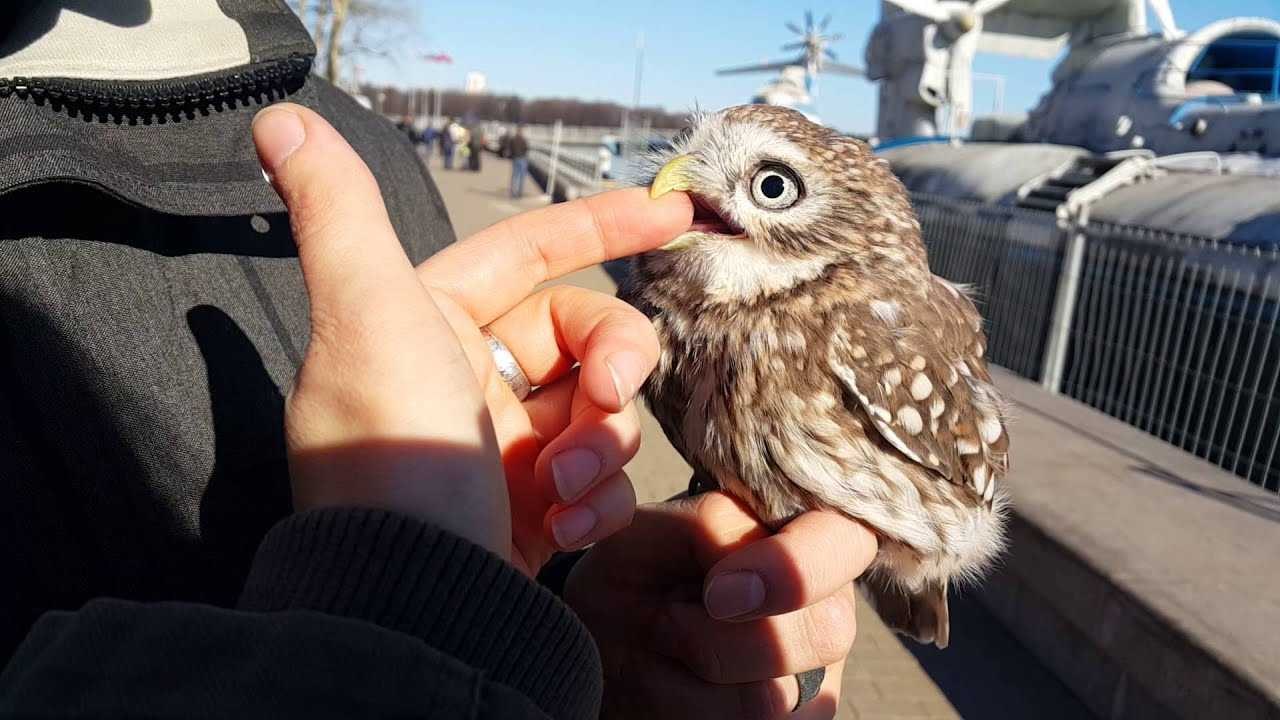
(438, 58)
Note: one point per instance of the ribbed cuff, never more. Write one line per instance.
(459, 598)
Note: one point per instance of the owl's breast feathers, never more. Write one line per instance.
(841, 393)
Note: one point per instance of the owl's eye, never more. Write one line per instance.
(775, 187)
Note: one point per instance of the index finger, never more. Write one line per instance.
(491, 271)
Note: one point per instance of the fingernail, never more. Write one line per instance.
(733, 594)
(278, 133)
(574, 471)
(627, 369)
(571, 525)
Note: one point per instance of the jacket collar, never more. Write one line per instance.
(146, 40)
(179, 145)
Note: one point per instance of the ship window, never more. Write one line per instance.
(1246, 62)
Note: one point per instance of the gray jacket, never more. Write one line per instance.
(152, 317)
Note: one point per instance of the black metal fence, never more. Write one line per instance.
(1176, 335)
(1011, 259)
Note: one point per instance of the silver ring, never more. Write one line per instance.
(507, 365)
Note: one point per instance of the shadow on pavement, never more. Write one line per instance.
(986, 673)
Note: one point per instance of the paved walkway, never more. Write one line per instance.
(883, 680)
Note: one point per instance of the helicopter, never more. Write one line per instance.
(1118, 87)
(796, 86)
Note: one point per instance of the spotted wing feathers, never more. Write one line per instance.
(915, 366)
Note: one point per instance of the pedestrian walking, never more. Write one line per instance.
(475, 145)
(519, 151)
(446, 143)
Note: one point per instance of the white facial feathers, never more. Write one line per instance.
(726, 156)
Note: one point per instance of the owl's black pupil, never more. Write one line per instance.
(773, 186)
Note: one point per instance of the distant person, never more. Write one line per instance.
(458, 136)
(405, 125)
(446, 143)
(429, 138)
(475, 145)
(518, 150)
(504, 143)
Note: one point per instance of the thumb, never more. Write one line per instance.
(351, 258)
(386, 411)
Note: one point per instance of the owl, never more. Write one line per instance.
(810, 359)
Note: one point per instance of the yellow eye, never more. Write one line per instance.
(775, 187)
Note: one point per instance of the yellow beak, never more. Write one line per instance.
(674, 176)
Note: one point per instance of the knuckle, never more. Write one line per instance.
(766, 700)
(325, 329)
(705, 660)
(713, 508)
(619, 508)
(313, 210)
(626, 322)
(549, 299)
(628, 435)
(830, 627)
(317, 206)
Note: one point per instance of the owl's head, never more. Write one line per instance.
(795, 191)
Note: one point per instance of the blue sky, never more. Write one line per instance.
(585, 49)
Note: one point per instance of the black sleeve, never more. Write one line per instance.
(346, 613)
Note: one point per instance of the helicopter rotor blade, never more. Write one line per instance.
(794, 28)
(762, 68)
(984, 7)
(835, 68)
(831, 54)
(825, 22)
(924, 8)
(808, 20)
(799, 45)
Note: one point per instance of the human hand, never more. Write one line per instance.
(648, 594)
(398, 404)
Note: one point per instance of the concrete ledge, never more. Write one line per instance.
(1147, 579)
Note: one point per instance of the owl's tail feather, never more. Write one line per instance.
(923, 615)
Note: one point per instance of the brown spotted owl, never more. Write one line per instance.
(811, 360)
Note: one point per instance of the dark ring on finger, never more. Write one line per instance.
(810, 682)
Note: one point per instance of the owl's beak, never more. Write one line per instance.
(674, 176)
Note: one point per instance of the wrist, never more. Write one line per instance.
(461, 491)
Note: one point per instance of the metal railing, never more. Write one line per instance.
(1010, 258)
(1176, 335)
(564, 164)
(573, 170)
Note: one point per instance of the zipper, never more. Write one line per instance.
(145, 96)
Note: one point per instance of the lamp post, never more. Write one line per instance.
(635, 94)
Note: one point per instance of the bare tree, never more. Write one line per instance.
(324, 8)
(343, 29)
(357, 28)
(319, 13)
(338, 11)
